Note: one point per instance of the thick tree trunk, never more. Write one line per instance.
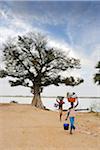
(36, 101)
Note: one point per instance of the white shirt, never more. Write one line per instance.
(72, 112)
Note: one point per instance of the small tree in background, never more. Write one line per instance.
(32, 63)
(97, 75)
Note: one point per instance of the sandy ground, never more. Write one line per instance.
(23, 127)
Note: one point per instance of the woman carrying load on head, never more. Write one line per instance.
(72, 97)
(71, 114)
(60, 102)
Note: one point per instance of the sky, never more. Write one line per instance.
(73, 26)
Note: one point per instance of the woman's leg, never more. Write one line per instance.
(60, 111)
(71, 124)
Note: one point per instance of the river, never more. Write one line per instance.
(84, 103)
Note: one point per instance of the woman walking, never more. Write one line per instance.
(60, 104)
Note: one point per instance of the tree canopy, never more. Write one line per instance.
(32, 63)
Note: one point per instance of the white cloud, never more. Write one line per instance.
(5, 33)
(60, 44)
(14, 26)
(95, 56)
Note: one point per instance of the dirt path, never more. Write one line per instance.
(23, 127)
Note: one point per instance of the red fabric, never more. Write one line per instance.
(71, 99)
(61, 102)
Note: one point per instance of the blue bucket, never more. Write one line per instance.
(66, 126)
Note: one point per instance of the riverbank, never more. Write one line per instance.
(23, 127)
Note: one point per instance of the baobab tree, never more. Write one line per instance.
(32, 63)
